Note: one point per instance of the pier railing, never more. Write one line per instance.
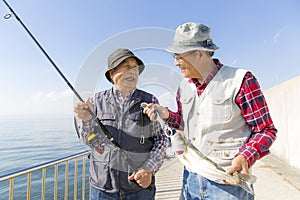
(64, 178)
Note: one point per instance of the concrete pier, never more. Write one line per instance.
(275, 180)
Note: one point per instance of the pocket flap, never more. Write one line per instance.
(186, 99)
(106, 116)
(221, 100)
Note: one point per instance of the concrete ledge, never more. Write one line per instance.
(289, 174)
(275, 180)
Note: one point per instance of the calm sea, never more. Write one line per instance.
(28, 142)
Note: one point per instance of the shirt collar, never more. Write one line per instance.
(118, 93)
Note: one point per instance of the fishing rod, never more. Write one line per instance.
(103, 128)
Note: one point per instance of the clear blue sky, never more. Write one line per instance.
(262, 36)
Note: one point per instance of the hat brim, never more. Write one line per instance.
(185, 48)
(140, 64)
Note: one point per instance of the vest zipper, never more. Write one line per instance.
(125, 111)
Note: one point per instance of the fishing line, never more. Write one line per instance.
(104, 129)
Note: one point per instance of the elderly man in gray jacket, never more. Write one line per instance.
(119, 110)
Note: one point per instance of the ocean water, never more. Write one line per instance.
(32, 141)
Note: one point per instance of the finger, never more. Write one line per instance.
(230, 170)
(81, 111)
(245, 170)
(138, 176)
(151, 113)
(150, 105)
(131, 177)
(179, 152)
(162, 111)
(83, 115)
(80, 106)
(153, 117)
(146, 182)
(146, 110)
(77, 106)
(140, 181)
(154, 108)
(229, 182)
(89, 104)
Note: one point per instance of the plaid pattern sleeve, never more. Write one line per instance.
(158, 151)
(256, 113)
(175, 118)
(84, 128)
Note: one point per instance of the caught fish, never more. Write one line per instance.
(198, 163)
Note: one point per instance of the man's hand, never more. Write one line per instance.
(238, 164)
(80, 109)
(152, 109)
(143, 177)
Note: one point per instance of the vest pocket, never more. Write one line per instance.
(186, 99)
(226, 149)
(222, 108)
(134, 124)
(99, 169)
(107, 118)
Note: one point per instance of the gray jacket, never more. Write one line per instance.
(109, 171)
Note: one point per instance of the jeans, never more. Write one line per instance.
(143, 194)
(196, 187)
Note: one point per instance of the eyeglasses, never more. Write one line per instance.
(181, 56)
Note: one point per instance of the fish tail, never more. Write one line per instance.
(247, 177)
(247, 186)
(246, 182)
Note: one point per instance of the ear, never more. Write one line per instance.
(111, 73)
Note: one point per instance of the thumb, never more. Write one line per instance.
(137, 176)
(162, 111)
(131, 177)
(245, 170)
(230, 170)
(90, 105)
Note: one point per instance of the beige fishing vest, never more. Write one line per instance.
(213, 122)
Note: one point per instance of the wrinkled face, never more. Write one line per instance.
(126, 74)
(186, 62)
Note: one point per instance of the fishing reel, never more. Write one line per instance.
(94, 142)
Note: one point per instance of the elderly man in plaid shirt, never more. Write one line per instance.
(221, 110)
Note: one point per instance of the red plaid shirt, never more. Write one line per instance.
(254, 110)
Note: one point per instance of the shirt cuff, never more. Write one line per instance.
(88, 126)
(172, 117)
(251, 155)
(151, 166)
